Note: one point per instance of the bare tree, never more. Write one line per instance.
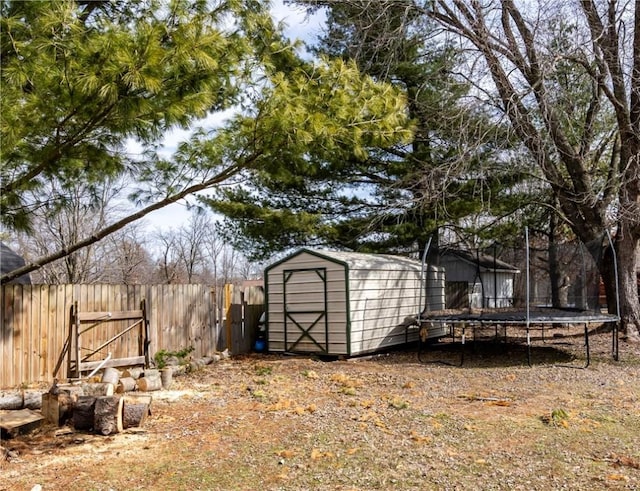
(167, 267)
(559, 78)
(190, 241)
(129, 258)
(68, 216)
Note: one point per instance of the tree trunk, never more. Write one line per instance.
(626, 249)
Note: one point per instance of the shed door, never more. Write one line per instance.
(306, 326)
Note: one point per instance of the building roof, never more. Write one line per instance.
(10, 261)
(483, 261)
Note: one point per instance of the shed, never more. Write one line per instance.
(346, 303)
(10, 261)
(477, 280)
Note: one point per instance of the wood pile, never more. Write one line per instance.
(98, 410)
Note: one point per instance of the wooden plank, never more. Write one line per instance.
(117, 362)
(20, 334)
(36, 327)
(44, 329)
(7, 333)
(19, 421)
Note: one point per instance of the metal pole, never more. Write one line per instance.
(422, 282)
(615, 273)
(526, 235)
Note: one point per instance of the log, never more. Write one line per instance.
(178, 369)
(151, 372)
(126, 384)
(134, 373)
(205, 360)
(73, 390)
(111, 376)
(146, 384)
(107, 417)
(83, 413)
(98, 389)
(166, 377)
(135, 410)
(11, 400)
(21, 399)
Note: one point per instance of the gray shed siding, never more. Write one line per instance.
(367, 296)
(459, 270)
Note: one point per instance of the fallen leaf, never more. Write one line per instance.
(286, 454)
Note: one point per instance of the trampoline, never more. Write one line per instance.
(529, 313)
(537, 318)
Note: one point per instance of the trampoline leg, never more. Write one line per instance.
(614, 342)
(586, 344)
(586, 348)
(462, 340)
(528, 347)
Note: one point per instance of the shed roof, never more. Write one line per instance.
(360, 260)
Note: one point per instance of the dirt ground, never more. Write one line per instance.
(390, 421)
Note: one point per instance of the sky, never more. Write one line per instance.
(298, 25)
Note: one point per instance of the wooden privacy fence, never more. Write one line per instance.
(35, 323)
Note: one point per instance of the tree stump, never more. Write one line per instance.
(57, 408)
(135, 410)
(166, 378)
(108, 415)
(83, 413)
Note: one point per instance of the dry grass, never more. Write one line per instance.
(385, 422)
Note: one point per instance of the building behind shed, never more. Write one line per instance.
(477, 280)
(344, 303)
(10, 261)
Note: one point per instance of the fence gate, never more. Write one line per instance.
(79, 352)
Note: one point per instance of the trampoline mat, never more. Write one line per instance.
(537, 315)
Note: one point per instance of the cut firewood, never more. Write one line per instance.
(108, 415)
(98, 389)
(126, 384)
(178, 369)
(146, 384)
(83, 413)
(135, 410)
(111, 376)
(134, 372)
